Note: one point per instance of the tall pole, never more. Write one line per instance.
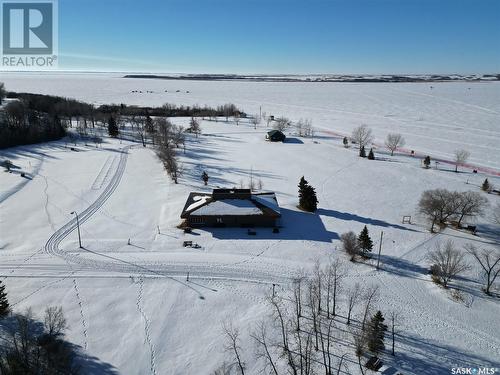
(379, 248)
(78, 228)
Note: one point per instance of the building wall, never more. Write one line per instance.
(231, 221)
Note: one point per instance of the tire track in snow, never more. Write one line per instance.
(104, 173)
(147, 326)
(113, 264)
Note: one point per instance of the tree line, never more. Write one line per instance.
(33, 347)
(32, 118)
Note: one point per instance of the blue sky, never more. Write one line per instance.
(278, 36)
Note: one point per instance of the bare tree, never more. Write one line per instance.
(352, 299)
(233, 345)
(461, 157)
(369, 297)
(54, 321)
(350, 244)
(307, 128)
(489, 260)
(470, 204)
(139, 123)
(237, 118)
(496, 213)
(281, 124)
(362, 135)
(394, 141)
(394, 318)
(300, 127)
(360, 341)
(264, 349)
(446, 262)
(438, 205)
(335, 272)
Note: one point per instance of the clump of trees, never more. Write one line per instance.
(281, 124)
(307, 331)
(304, 127)
(31, 347)
(21, 124)
(36, 118)
(447, 262)
(359, 245)
(394, 141)
(440, 206)
(308, 200)
(167, 138)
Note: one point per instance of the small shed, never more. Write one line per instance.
(275, 136)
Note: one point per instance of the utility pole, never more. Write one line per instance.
(260, 113)
(379, 248)
(251, 178)
(78, 228)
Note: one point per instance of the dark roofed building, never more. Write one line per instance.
(231, 208)
(275, 136)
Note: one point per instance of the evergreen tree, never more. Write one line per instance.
(362, 152)
(4, 303)
(486, 185)
(112, 127)
(364, 241)
(376, 332)
(307, 196)
(371, 155)
(427, 161)
(345, 141)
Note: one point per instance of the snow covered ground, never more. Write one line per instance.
(130, 307)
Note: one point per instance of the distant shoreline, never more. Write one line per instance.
(334, 79)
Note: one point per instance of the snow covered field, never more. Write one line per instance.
(130, 307)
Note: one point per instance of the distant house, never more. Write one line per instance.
(231, 208)
(275, 136)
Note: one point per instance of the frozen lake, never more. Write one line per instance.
(435, 118)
